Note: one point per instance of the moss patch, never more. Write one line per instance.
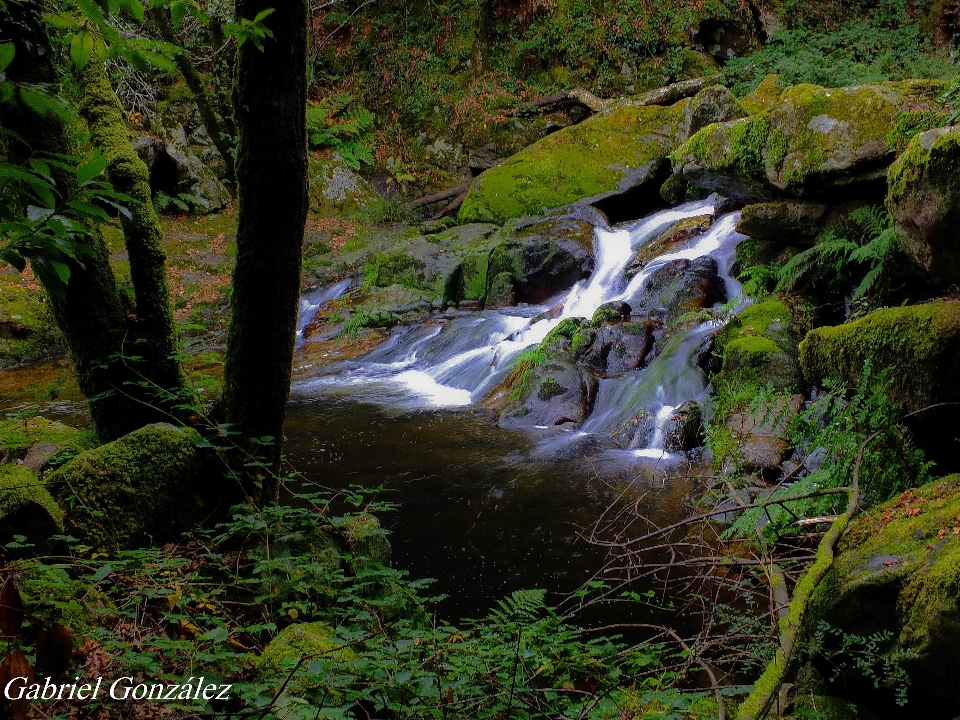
(578, 162)
(760, 346)
(919, 344)
(17, 436)
(27, 331)
(138, 490)
(26, 507)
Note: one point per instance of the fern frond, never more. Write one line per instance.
(520, 606)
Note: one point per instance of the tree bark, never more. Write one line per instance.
(154, 325)
(91, 313)
(215, 129)
(270, 112)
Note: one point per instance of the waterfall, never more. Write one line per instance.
(459, 362)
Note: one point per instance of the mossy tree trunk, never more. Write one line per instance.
(215, 129)
(91, 312)
(270, 112)
(153, 320)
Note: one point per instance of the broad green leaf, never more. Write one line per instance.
(135, 8)
(102, 573)
(7, 51)
(178, 11)
(81, 48)
(263, 14)
(65, 22)
(14, 258)
(90, 169)
(158, 60)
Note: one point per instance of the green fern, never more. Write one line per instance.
(523, 606)
(346, 129)
(861, 248)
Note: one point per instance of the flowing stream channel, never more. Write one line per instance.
(485, 510)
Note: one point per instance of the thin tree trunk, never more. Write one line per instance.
(197, 88)
(270, 111)
(154, 325)
(91, 313)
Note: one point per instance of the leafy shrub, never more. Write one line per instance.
(340, 124)
(853, 53)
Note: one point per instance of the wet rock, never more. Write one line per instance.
(539, 262)
(555, 393)
(817, 143)
(615, 151)
(613, 311)
(682, 286)
(685, 430)
(762, 436)
(636, 432)
(711, 105)
(669, 240)
(924, 199)
(897, 569)
(627, 346)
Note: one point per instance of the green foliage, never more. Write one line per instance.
(836, 427)
(862, 251)
(181, 201)
(852, 654)
(342, 125)
(214, 606)
(887, 45)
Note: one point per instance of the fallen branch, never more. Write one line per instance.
(455, 205)
(767, 688)
(442, 195)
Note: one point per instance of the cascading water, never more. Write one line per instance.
(458, 363)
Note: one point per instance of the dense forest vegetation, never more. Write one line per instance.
(202, 202)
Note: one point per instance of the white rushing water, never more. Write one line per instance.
(460, 362)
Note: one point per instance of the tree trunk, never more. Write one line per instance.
(197, 88)
(154, 324)
(270, 112)
(90, 314)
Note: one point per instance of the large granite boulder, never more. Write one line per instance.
(622, 148)
(815, 142)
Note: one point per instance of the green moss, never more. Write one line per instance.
(17, 436)
(575, 163)
(760, 346)
(911, 124)
(765, 96)
(567, 328)
(920, 345)
(299, 645)
(27, 331)
(26, 506)
(366, 539)
(550, 389)
(604, 314)
(396, 268)
(140, 489)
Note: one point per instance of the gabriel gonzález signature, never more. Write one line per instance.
(124, 688)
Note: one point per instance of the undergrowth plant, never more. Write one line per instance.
(863, 252)
(832, 429)
(370, 640)
(340, 124)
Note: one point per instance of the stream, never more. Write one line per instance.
(486, 510)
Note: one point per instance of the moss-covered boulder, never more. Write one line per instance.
(784, 223)
(26, 507)
(681, 287)
(366, 540)
(710, 105)
(552, 392)
(306, 646)
(924, 199)
(619, 149)
(815, 142)
(919, 344)
(897, 571)
(759, 346)
(19, 437)
(766, 96)
(27, 331)
(335, 188)
(141, 489)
